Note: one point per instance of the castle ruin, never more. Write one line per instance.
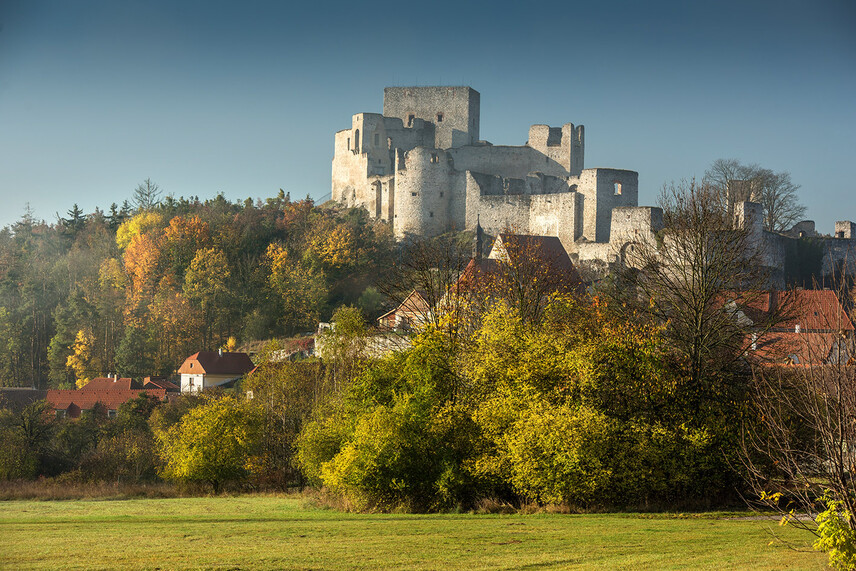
(421, 167)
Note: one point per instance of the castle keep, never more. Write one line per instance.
(422, 167)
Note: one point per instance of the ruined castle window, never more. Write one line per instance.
(413, 193)
(439, 117)
(617, 188)
(349, 143)
(357, 140)
(441, 194)
(410, 119)
(431, 215)
(376, 140)
(435, 158)
(839, 234)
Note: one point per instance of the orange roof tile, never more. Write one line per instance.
(86, 400)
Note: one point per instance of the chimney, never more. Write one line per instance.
(754, 341)
(797, 328)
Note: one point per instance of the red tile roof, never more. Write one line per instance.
(104, 383)
(159, 383)
(214, 363)
(814, 310)
(787, 347)
(86, 400)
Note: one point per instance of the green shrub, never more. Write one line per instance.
(836, 536)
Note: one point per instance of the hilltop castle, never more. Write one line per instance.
(421, 166)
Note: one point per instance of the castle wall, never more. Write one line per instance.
(422, 193)
(510, 162)
(564, 145)
(556, 215)
(635, 223)
(603, 190)
(453, 110)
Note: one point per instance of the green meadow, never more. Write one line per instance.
(269, 532)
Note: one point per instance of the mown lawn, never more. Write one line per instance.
(257, 532)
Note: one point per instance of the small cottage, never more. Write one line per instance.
(212, 368)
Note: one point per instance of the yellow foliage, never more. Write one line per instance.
(111, 275)
(139, 224)
(80, 360)
(336, 248)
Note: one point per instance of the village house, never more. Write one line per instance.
(410, 313)
(813, 328)
(207, 369)
(108, 392)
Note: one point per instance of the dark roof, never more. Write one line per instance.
(214, 363)
(16, 398)
(543, 255)
(548, 247)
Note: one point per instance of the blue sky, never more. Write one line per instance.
(243, 98)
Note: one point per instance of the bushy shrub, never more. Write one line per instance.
(836, 536)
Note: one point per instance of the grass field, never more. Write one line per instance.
(258, 532)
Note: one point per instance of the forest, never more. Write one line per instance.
(134, 290)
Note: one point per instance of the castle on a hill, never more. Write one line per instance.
(421, 166)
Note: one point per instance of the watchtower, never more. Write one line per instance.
(453, 110)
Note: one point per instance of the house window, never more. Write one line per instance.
(617, 188)
(410, 119)
(376, 140)
(439, 117)
(60, 414)
(111, 413)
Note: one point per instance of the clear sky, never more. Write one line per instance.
(244, 97)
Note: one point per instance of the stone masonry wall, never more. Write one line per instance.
(453, 110)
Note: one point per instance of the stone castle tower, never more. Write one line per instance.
(421, 167)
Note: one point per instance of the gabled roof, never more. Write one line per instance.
(415, 302)
(215, 363)
(86, 400)
(814, 310)
(788, 347)
(159, 383)
(544, 254)
(105, 383)
(547, 247)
